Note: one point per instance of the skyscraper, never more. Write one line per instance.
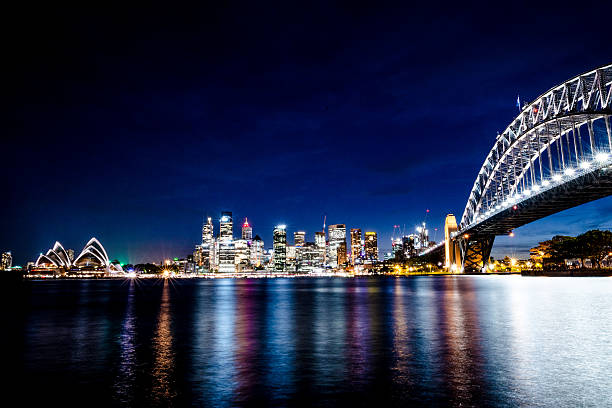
(337, 235)
(256, 252)
(320, 239)
(227, 250)
(207, 232)
(247, 230)
(371, 247)
(341, 254)
(355, 245)
(290, 258)
(7, 261)
(207, 249)
(280, 248)
(241, 258)
(299, 238)
(319, 260)
(226, 226)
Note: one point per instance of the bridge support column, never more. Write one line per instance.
(475, 252)
(452, 258)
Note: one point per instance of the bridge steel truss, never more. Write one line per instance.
(557, 153)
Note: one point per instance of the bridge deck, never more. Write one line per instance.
(586, 188)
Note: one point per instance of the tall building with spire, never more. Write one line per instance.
(247, 230)
(208, 232)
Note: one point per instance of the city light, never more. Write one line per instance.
(569, 172)
(585, 165)
(557, 177)
(601, 157)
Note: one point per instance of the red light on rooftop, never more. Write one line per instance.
(514, 207)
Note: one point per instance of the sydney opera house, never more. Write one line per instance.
(92, 259)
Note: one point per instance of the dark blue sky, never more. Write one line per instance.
(131, 124)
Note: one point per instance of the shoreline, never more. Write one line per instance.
(568, 273)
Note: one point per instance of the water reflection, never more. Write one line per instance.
(247, 344)
(455, 341)
(358, 332)
(461, 348)
(163, 390)
(329, 335)
(279, 338)
(126, 377)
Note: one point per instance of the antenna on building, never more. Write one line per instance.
(324, 219)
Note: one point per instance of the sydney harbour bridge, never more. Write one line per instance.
(556, 154)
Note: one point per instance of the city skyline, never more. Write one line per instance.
(133, 133)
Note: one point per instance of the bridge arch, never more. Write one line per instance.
(562, 135)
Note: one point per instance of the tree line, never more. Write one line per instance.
(594, 245)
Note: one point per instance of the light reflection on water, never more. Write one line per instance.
(163, 354)
(125, 382)
(460, 341)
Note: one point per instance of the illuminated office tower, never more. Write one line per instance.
(256, 252)
(299, 238)
(290, 258)
(7, 261)
(226, 227)
(207, 232)
(320, 247)
(241, 258)
(207, 249)
(423, 232)
(227, 249)
(320, 239)
(397, 247)
(247, 230)
(197, 255)
(280, 248)
(308, 258)
(337, 235)
(227, 256)
(341, 253)
(355, 245)
(371, 247)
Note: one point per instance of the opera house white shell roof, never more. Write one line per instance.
(93, 255)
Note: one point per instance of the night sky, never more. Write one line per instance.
(132, 124)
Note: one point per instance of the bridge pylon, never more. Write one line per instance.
(475, 251)
(452, 252)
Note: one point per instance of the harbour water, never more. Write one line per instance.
(442, 341)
